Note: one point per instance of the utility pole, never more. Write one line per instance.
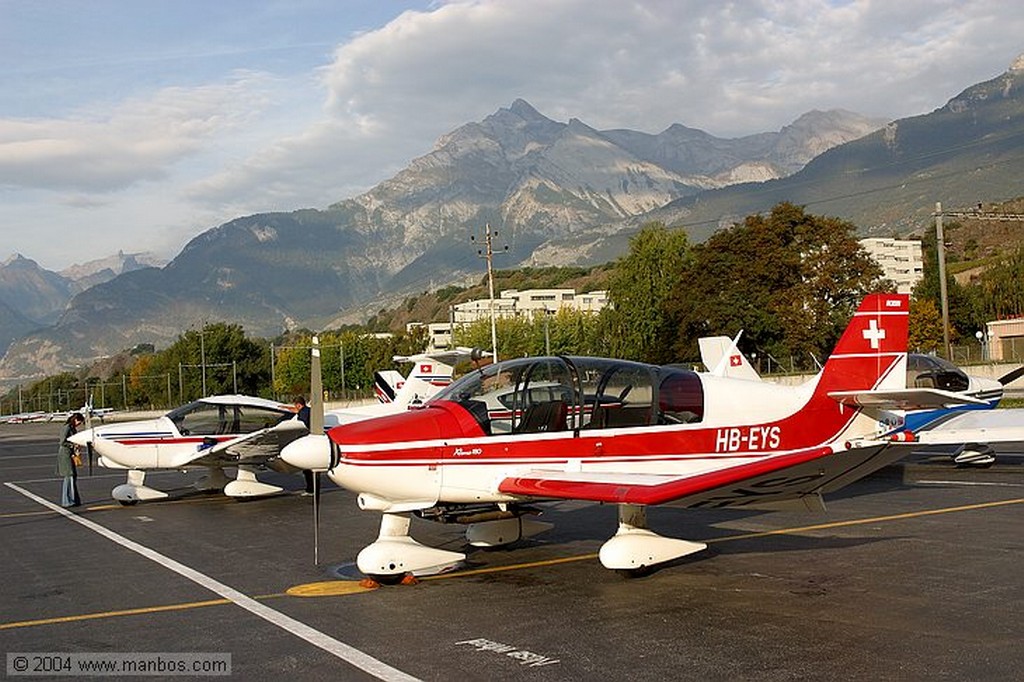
(202, 355)
(488, 254)
(940, 246)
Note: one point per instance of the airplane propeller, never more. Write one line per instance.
(1011, 376)
(316, 427)
(88, 426)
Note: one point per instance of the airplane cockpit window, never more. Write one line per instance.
(544, 398)
(201, 419)
(483, 392)
(616, 393)
(253, 418)
(538, 395)
(680, 397)
(929, 371)
(207, 419)
(528, 395)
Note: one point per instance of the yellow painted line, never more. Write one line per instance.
(334, 588)
(861, 522)
(143, 505)
(324, 589)
(114, 614)
(126, 612)
(329, 588)
(512, 567)
(12, 515)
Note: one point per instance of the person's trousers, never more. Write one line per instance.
(69, 492)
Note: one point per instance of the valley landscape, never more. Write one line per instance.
(556, 193)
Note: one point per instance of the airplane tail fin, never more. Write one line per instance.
(386, 384)
(872, 352)
(427, 376)
(722, 357)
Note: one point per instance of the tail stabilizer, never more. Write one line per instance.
(722, 357)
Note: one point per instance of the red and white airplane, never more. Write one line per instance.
(430, 372)
(486, 449)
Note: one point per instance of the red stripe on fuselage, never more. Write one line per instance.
(660, 493)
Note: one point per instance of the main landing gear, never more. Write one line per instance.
(245, 484)
(395, 554)
(633, 551)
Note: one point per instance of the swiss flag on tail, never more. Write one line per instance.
(872, 351)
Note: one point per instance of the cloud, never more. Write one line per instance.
(177, 160)
(729, 68)
(137, 141)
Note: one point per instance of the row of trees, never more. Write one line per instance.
(224, 360)
(789, 280)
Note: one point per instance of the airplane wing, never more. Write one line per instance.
(770, 479)
(257, 447)
(904, 399)
(976, 426)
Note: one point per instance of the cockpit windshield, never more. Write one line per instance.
(532, 395)
(929, 371)
(209, 419)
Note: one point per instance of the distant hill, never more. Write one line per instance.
(13, 325)
(529, 176)
(969, 151)
(94, 272)
(37, 294)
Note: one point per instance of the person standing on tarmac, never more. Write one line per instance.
(67, 462)
(302, 410)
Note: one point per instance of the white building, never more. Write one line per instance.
(512, 303)
(1005, 340)
(900, 259)
(515, 303)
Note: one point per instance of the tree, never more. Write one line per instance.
(964, 317)
(1000, 289)
(568, 332)
(790, 280)
(222, 349)
(638, 325)
(925, 332)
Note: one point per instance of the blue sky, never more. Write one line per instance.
(138, 124)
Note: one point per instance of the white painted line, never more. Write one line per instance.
(81, 478)
(976, 483)
(86, 477)
(345, 652)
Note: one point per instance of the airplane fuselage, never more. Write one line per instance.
(454, 451)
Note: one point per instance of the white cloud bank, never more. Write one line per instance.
(195, 156)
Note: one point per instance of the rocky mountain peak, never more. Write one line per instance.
(537, 178)
(523, 109)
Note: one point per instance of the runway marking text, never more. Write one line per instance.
(527, 658)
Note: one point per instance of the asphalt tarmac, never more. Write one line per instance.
(913, 574)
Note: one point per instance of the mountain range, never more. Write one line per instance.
(556, 193)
